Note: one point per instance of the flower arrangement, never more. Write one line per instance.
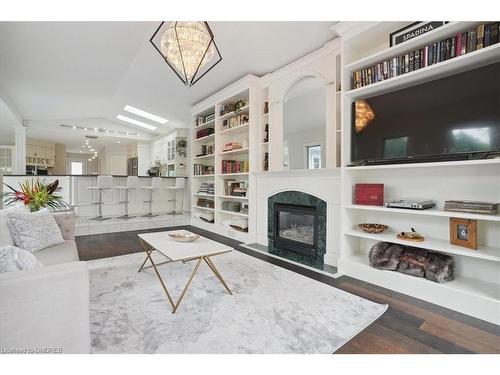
(36, 195)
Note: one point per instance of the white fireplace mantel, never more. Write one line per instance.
(322, 183)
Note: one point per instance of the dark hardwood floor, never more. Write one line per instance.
(409, 326)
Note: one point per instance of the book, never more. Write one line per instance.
(452, 48)
(447, 49)
(494, 33)
(416, 60)
(480, 37)
(487, 35)
(458, 44)
(463, 44)
(471, 41)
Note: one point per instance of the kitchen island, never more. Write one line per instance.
(75, 192)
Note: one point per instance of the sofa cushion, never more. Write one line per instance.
(15, 259)
(34, 231)
(61, 253)
(5, 235)
(66, 222)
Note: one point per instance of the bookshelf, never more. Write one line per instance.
(241, 128)
(476, 288)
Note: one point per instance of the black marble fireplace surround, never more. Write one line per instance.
(297, 227)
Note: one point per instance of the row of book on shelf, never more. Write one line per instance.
(204, 132)
(235, 121)
(206, 203)
(235, 166)
(206, 150)
(482, 36)
(202, 169)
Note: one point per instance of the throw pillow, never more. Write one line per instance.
(34, 231)
(5, 235)
(15, 259)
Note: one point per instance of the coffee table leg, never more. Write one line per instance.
(216, 272)
(187, 285)
(148, 256)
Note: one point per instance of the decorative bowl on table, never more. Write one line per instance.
(373, 228)
(184, 237)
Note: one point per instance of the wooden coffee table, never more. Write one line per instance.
(199, 250)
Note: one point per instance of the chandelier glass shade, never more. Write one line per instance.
(188, 47)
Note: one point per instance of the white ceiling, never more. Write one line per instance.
(85, 72)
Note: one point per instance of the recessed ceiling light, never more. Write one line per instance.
(74, 127)
(80, 150)
(118, 142)
(136, 122)
(145, 114)
(95, 129)
(90, 159)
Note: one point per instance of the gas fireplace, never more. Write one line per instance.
(297, 227)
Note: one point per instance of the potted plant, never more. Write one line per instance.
(238, 105)
(180, 147)
(36, 195)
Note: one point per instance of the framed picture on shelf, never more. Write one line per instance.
(463, 232)
(413, 30)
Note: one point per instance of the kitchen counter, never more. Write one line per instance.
(79, 175)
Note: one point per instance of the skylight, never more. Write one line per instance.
(140, 112)
(136, 122)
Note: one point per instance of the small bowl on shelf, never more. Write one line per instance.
(184, 237)
(373, 228)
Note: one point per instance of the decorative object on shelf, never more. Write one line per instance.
(231, 206)
(184, 237)
(266, 161)
(370, 194)
(180, 147)
(188, 47)
(487, 208)
(36, 195)
(463, 232)
(266, 108)
(412, 261)
(206, 150)
(238, 105)
(373, 228)
(413, 30)
(239, 224)
(364, 115)
(411, 204)
(411, 236)
(235, 188)
(266, 133)
(484, 35)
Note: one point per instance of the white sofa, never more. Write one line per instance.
(46, 308)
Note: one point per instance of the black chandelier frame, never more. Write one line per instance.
(184, 79)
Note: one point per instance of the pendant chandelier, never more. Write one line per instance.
(188, 47)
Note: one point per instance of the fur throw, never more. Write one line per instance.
(412, 261)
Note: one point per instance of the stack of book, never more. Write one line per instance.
(231, 146)
(207, 188)
(204, 132)
(201, 169)
(235, 188)
(488, 208)
(234, 166)
(484, 35)
(206, 203)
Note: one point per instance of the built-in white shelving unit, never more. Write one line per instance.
(246, 134)
(476, 287)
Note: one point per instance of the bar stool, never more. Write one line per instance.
(132, 184)
(155, 185)
(103, 183)
(180, 183)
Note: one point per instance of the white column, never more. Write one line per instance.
(20, 152)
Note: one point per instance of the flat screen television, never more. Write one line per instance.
(452, 118)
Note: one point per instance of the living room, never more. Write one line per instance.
(301, 186)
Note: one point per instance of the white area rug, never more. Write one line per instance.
(273, 310)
